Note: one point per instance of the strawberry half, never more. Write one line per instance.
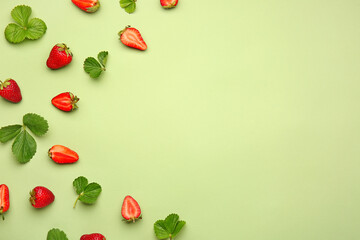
(168, 3)
(93, 236)
(88, 6)
(131, 37)
(4, 199)
(63, 155)
(10, 91)
(41, 197)
(65, 101)
(130, 209)
(59, 57)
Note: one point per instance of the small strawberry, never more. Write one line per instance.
(131, 37)
(59, 57)
(62, 155)
(4, 199)
(41, 197)
(130, 209)
(88, 6)
(65, 101)
(169, 3)
(93, 236)
(10, 91)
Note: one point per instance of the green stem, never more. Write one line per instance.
(1, 213)
(77, 200)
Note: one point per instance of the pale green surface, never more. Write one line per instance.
(242, 117)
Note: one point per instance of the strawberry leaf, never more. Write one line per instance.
(9, 132)
(24, 147)
(170, 222)
(79, 184)
(14, 33)
(37, 124)
(160, 230)
(168, 228)
(102, 57)
(56, 234)
(92, 67)
(35, 29)
(91, 193)
(128, 5)
(179, 226)
(21, 14)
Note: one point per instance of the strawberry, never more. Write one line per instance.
(88, 6)
(130, 209)
(62, 155)
(10, 91)
(93, 236)
(168, 3)
(41, 197)
(59, 57)
(65, 101)
(131, 37)
(4, 199)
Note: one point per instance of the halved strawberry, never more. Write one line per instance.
(62, 155)
(131, 37)
(130, 209)
(88, 6)
(4, 199)
(169, 3)
(65, 101)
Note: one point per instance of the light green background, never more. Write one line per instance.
(242, 117)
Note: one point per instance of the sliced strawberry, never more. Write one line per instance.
(10, 90)
(63, 155)
(4, 199)
(41, 197)
(130, 209)
(169, 3)
(65, 101)
(93, 236)
(131, 37)
(88, 6)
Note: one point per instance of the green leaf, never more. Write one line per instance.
(160, 230)
(37, 124)
(36, 29)
(128, 5)
(170, 222)
(179, 226)
(92, 67)
(56, 234)
(9, 132)
(90, 193)
(79, 184)
(14, 33)
(24, 147)
(21, 14)
(102, 56)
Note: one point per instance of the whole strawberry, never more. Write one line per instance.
(130, 209)
(131, 37)
(65, 101)
(88, 6)
(93, 236)
(63, 155)
(41, 197)
(59, 57)
(4, 199)
(168, 3)
(10, 91)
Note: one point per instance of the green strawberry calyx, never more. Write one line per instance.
(93, 8)
(74, 100)
(63, 47)
(4, 84)
(122, 31)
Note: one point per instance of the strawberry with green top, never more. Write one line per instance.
(89, 6)
(4, 199)
(130, 209)
(168, 3)
(59, 57)
(41, 197)
(65, 101)
(131, 37)
(93, 236)
(10, 90)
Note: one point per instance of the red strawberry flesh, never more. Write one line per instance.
(4, 199)
(10, 90)
(88, 6)
(130, 209)
(168, 3)
(61, 154)
(41, 197)
(65, 101)
(131, 37)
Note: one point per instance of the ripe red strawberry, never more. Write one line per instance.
(65, 101)
(131, 37)
(168, 3)
(89, 6)
(4, 199)
(93, 236)
(130, 209)
(61, 154)
(41, 197)
(59, 57)
(10, 91)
